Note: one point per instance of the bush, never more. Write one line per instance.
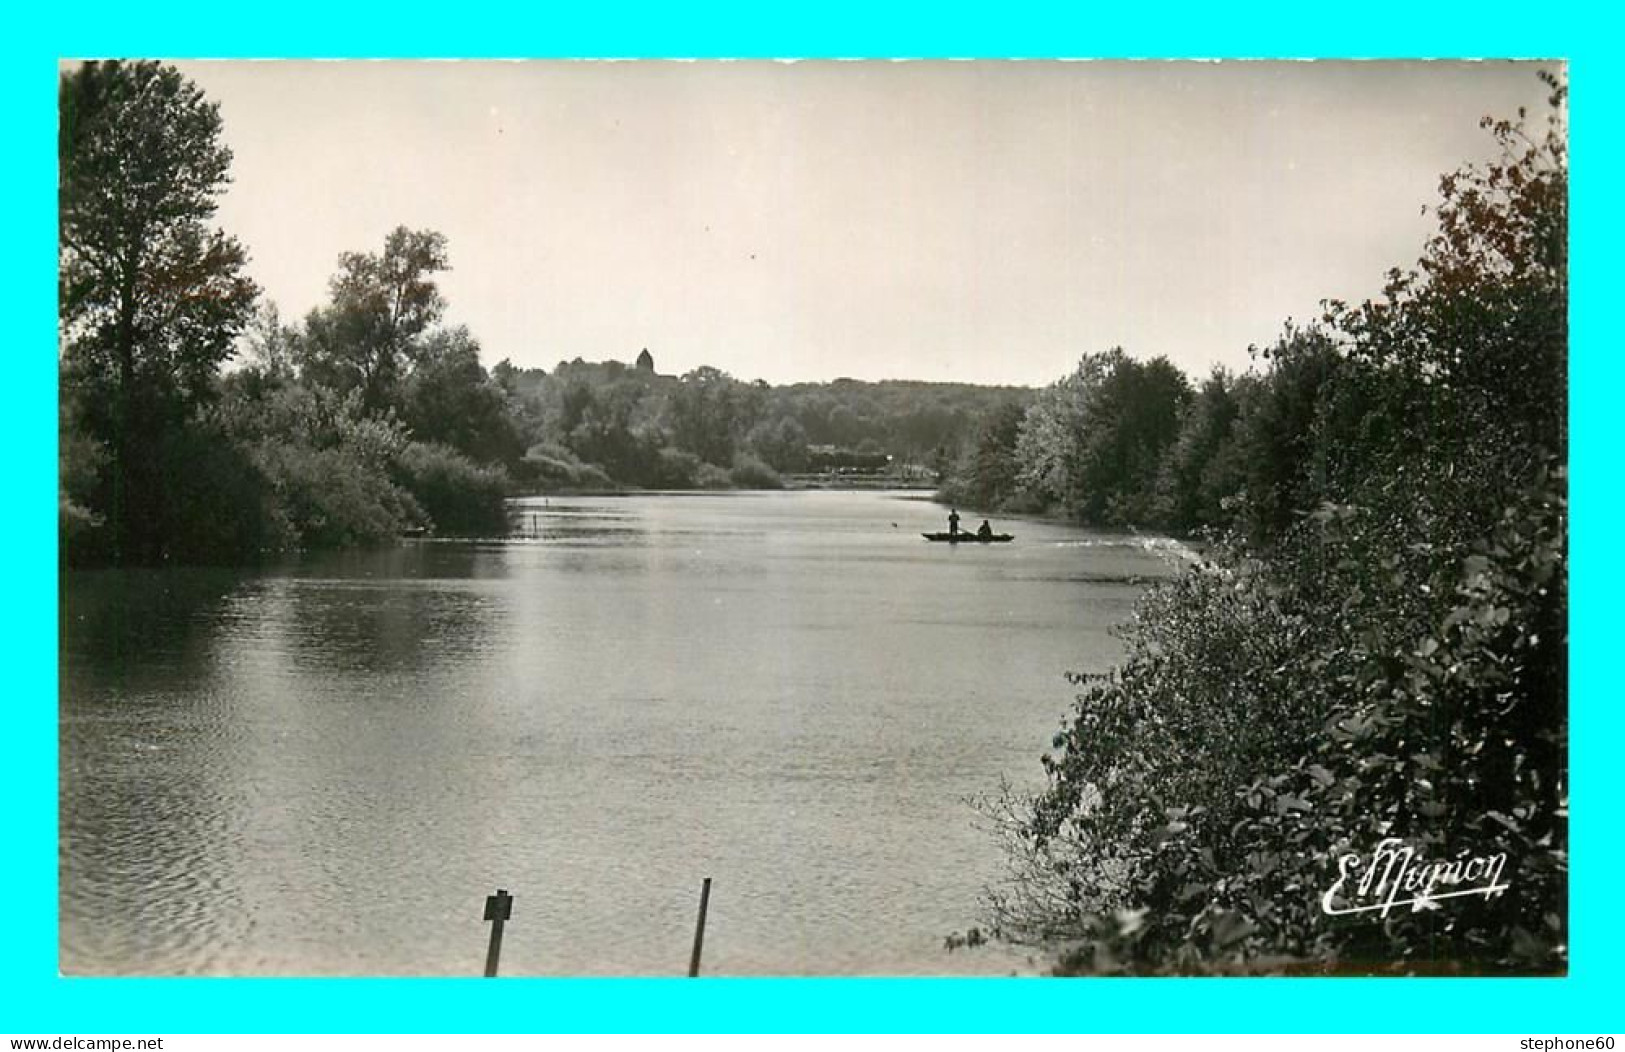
(80, 462)
(751, 473)
(332, 498)
(709, 476)
(457, 495)
(677, 469)
(555, 468)
(219, 504)
(1273, 715)
(1377, 651)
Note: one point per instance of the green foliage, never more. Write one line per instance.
(1205, 465)
(369, 415)
(709, 412)
(151, 299)
(679, 469)
(781, 442)
(1275, 714)
(325, 460)
(1049, 432)
(449, 399)
(710, 476)
(1276, 432)
(987, 478)
(380, 308)
(333, 498)
(80, 461)
(1133, 417)
(909, 419)
(457, 495)
(150, 295)
(610, 424)
(556, 469)
(624, 419)
(1378, 650)
(1092, 444)
(1463, 356)
(750, 472)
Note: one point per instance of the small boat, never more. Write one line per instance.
(963, 537)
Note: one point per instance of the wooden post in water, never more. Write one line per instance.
(498, 908)
(699, 929)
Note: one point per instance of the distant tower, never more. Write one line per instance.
(646, 361)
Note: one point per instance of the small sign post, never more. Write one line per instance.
(498, 908)
(699, 929)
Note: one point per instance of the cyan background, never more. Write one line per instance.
(34, 1000)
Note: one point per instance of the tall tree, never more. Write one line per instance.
(1201, 468)
(1047, 445)
(449, 398)
(991, 469)
(1093, 441)
(152, 296)
(1134, 418)
(380, 308)
(708, 414)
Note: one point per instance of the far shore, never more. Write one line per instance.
(790, 486)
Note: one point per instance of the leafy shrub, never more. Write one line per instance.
(676, 469)
(710, 476)
(1378, 649)
(457, 495)
(1274, 715)
(80, 461)
(750, 472)
(219, 503)
(679, 469)
(556, 468)
(332, 498)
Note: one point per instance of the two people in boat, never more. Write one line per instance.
(983, 532)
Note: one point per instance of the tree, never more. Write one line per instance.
(781, 441)
(268, 353)
(1202, 468)
(1381, 653)
(327, 462)
(708, 414)
(1285, 465)
(151, 296)
(1046, 446)
(1094, 441)
(380, 308)
(449, 399)
(1465, 356)
(989, 474)
(1134, 418)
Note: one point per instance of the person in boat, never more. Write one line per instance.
(985, 531)
(953, 522)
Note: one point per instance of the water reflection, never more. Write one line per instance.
(119, 624)
(150, 800)
(323, 768)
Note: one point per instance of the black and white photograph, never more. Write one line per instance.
(1001, 518)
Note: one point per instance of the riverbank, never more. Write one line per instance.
(791, 483)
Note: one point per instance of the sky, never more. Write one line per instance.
(978, 221)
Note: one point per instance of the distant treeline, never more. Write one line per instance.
(1369, 666)
(370, 415)
(604, 424)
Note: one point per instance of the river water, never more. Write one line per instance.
(323, 768)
